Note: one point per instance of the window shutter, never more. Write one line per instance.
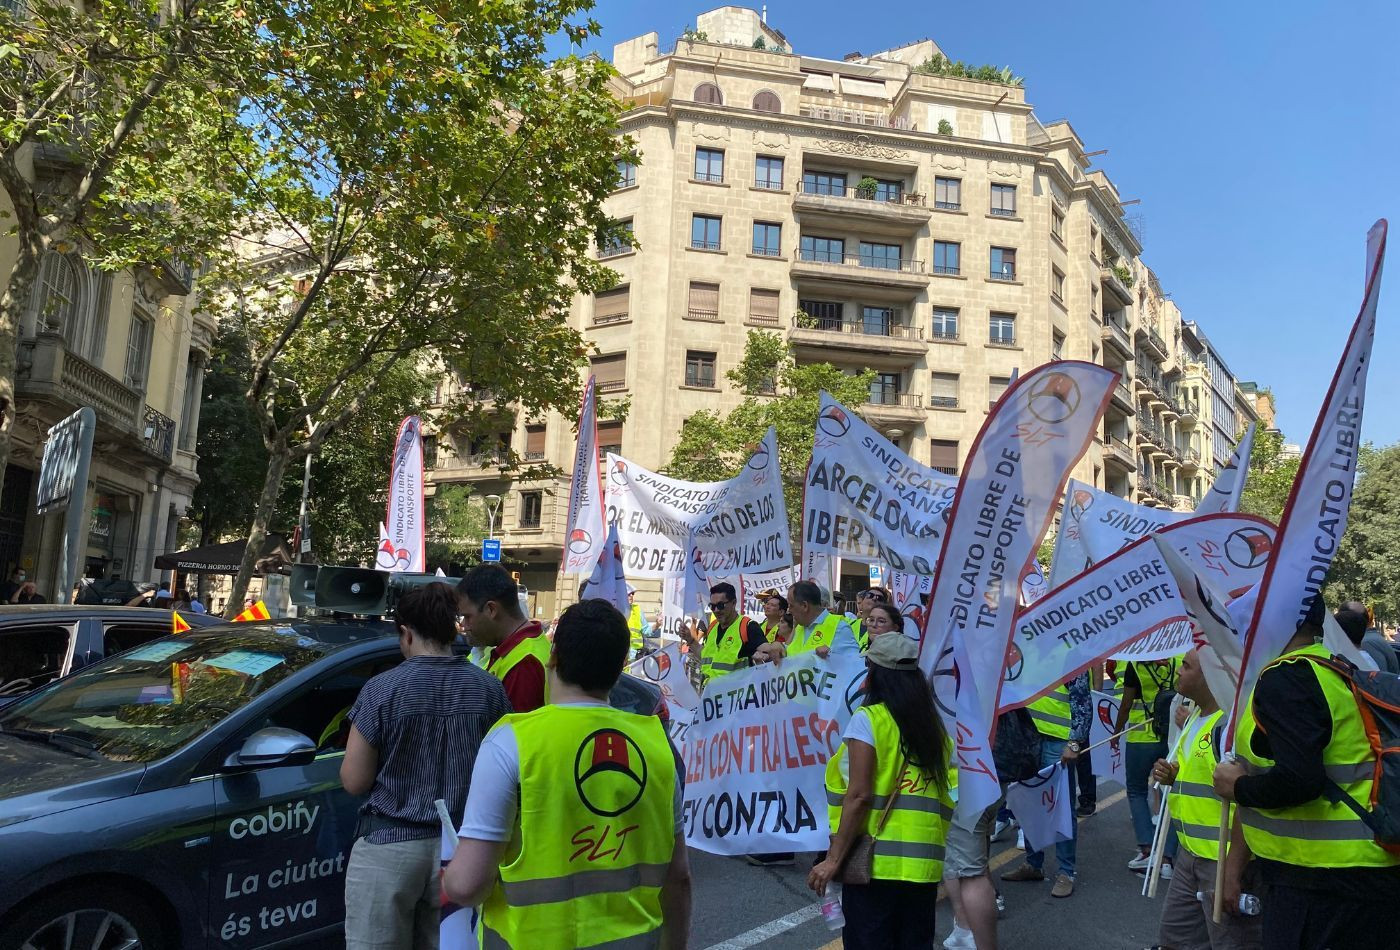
(763, 306)
(766, 101)
(945, 385)
(943, 455)
(609, 437)
(709, 93)
(534, 441)
(612, 306)
(704, 300)
(996, 386)
(611, 372)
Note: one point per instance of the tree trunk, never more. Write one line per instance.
(272, 484)
(13, 303)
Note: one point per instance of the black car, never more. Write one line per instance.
(187, 793)
(42, 642)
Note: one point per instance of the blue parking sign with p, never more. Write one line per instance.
(491, 549)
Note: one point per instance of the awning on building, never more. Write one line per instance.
(224, 558)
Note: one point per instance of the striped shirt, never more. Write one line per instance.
(426, 718)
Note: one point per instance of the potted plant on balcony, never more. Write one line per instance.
(867, 187)
(803, 320)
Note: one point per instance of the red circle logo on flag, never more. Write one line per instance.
(655, 666)
(580, 541)
(1015, 662)
(834, 421)
(760, 458)
(1054, 399)
(610, 772)
(1248, 548)
(619, 472)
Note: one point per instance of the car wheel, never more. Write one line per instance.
(97, 918)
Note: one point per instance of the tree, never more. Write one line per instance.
(426, 188)
(112, 141)
(232, 457)
(777, 392)
(1270, 479)
(1366, 567)
(457, 521)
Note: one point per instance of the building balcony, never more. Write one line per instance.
(848, 206)
(47, 372)
(1122, 399)
(1118, 452)
(1190, 461)
(1113, 280)
(176, 276)
(877, 338)
(1151, 391)
(1189, 412)
(158, 435)
(477, 466)
(906, 275)
(877, 118)
(885, 408)
(1150, 340)
(1115, 336)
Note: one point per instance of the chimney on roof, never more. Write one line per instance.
(852, 57)
(764, 14)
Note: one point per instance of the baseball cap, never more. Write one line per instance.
(893, 652)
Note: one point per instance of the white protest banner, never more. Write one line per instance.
(608, 582)
(1315, 517)
(666, 668)
(1094, 524)
(403, 521)
(1107, 761)
(867, 500)
(1033, 585)
(755, 756)
(824, 569)
(756, 585)
(585, 530)
(1042, 807)
(1005, 500)
(1128, 605)
(1225, 491)
(1219, 647)
(738, 525)
(676, 609)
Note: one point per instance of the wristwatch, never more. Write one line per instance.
(1072, 746)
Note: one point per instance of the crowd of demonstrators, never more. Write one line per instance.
(1148, 689)
(414, 737)
(817, 629)
(517, 649)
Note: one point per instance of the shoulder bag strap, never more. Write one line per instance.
(889, 802)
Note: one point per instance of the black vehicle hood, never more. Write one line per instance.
(38, 779)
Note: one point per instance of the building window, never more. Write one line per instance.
(700, 369)
(708, 93)
(612, 306)
(824, 183)
(767, 101)
(1057, 346)
(823, 314)
(610, 371)
(138, 350)
(1057, 284)
(884, 389)
(1094, 242)
(1003, 263)
(943, 456)
(944, 394)
(882, 256)
(886, 190)
(996, 388)
(947, 194)
(626, 174)
(1057, 223)
(877, 321)
(531, 508)
(768, 173)
(945, 323)
(1004, 200)
(828, 250)
(189, 410)
(609, 437)
(709, 164)
(703, 303)
(947, 257)
(615, 244)
(534, 443)
(763, 306)
(704, 232)
(767, 239)
(1002, 329)
(57, 303)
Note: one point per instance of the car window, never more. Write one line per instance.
(31, 656)
(319, 713)
(120, 637)
(147, 703)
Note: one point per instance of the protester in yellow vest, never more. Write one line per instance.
(731, 638)
(818, 630)
(572, 835)
(1187, 921)
(519, 650)
(865, 600)
(637, 625)
(890, 779)
(1327, 882)
(775, 605)
(1143, 681)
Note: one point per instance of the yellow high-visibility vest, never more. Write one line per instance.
(821, 635)
(1195, 808)
(1052, 714)
(720, 654)
(1141, 711)
(634, 626)
(537, 646)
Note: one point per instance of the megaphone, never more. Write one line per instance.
(303, 584)
(352, 590)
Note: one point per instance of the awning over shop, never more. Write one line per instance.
(224, 558)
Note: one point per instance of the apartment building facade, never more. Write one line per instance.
(876, 215)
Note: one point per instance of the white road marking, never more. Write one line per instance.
(769, 930)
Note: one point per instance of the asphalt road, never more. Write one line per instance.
(739, 906)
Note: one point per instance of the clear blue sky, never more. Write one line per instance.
(1262, 138)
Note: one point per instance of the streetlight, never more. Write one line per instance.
(493, 505)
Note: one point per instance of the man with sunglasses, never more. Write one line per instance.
(731, 638)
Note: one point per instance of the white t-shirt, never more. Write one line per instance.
(859, 729)
(495, 786)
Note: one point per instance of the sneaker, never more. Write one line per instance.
(960, 939)
(999, 829)
(1139, 862)
(1086, 810)
(1166, 872)
(1020, 841)
(1001, 906)
(1064, 886)
(769, 860)
(1024, 873)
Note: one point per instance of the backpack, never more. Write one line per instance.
(1160, 714)
(1377, 696)
(1016, 747)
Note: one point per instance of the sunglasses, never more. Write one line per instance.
(721, 605)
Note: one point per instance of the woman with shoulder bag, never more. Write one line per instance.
(887, 795)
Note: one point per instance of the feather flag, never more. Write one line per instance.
(178, 624)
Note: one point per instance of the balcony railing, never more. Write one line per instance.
(613, 250)
(897, 331)
(948, 270)
(712, 316)
(1002, 273)
(888, 397)
(47, 368)
(611, 385)
(158, 434)
(765, 319)
(948, 205)
(611, 318)
(701, 245)
(940, 334)
(856, 117)
(867, 262)
(943, 402)
(1117, 333)
(534, 457)
(1122, 392)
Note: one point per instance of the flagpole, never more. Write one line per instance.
(1219, 900)
(1136, 725)
(1159, 844)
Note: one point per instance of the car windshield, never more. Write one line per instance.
(146, 703)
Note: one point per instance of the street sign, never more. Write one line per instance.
(491, 550)
(63, 477)
(877, 575)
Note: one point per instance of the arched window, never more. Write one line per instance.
(766, 101)
(708, 92)
(57, 303)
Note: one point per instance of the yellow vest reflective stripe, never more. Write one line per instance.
(1141, 711)
(1051, 714)
(862, 635)
(910, 848)
(1195, 808)
(720, 655)
(537, 646)
(634, 625)
(1318, 833)
(594, 835)
(770, 631)
(819, 636)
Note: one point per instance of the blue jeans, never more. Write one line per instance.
(1050, 750)
(1137, 774)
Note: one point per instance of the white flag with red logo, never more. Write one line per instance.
(401, 546)
(666, 668)
(1107, 761)
(608, 581)
(1315, 517)
(583, 537)
(1225, 491)
(1042, 807)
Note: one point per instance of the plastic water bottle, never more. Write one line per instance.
(832, 913)
(1249, 904)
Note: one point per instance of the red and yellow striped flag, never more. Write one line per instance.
(258, 611)
(178, 624)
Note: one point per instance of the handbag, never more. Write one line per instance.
(856, 868)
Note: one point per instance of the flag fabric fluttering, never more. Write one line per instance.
(178, 624)
(403, 527)
(254, 611)
(1042, 807)
(585, 532)
(608, 580)
(456, 924)
(1225, 491)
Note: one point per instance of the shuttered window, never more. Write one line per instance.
(704, 301)
(763, 307)
(943, 455)
(609, 437)
(612, 306)
(944, 394)
(534, 443)
(996, 386)
(611, 372)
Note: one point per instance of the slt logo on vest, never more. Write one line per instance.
(1055, 400)
(834, 422)
(610, 772)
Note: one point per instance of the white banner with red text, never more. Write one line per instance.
(1095, 524)
(401, 546)
(584, 533)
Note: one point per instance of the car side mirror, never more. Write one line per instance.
(273, 745)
